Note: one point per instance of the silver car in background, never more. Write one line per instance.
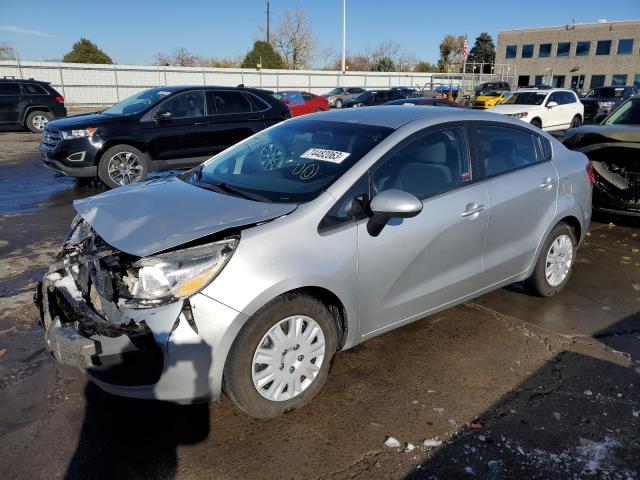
(338, 95)
(248, 273)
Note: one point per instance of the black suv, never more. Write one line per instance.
(157, 129)
(29, 103)
(600, 101)
(374, 97)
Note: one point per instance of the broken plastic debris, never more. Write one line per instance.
(635, 413)
(431, 442)
(409, 447)
(473, 425)
(392, 442)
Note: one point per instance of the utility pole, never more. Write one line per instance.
(268, 22)
(344, 36)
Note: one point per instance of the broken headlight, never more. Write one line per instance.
(167, 277)
(79, 232)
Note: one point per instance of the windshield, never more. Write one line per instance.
(291, 163)
(137, 102)
(627, 114)
(526, 98)
(606, 92)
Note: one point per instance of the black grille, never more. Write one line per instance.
(590, 109)
(51, 137)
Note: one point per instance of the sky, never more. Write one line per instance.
(132, 31)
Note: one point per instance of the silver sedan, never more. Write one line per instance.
(248, 273)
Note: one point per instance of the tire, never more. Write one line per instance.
(539, 283)
(319, 110)
(339, 103)
(113, 176)
(241, 366)
(576, 122)
(37, 119)
(536, 123)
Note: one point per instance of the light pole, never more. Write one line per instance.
(344, 35)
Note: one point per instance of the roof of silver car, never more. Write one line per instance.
(395, 116)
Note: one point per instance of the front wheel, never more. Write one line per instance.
(281, 358)
(122, 165)
(339, 103)
(37, 120)
(555, 264)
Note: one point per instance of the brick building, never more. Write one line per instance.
(579, 56)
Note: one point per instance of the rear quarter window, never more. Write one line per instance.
(34, 89)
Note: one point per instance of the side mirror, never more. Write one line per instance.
(391, 204)
(162, 115)
(552, 104)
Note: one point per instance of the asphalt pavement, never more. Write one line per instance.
(506, 386)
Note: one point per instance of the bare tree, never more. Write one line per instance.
(388, 49)
(7, 51)
(295, 40)
(328, 58)
(180, 57)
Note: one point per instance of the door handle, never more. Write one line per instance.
(547, 182)
(472, 209)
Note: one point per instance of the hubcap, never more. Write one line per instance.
(124, 168)
(559, 260)
(288, 358)
(39, 121)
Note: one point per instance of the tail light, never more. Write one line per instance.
(60, 99)
(591, 174)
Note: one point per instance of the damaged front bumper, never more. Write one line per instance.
(165, 352)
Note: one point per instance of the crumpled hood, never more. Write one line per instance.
(149, 217)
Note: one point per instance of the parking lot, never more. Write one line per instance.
(511, 385)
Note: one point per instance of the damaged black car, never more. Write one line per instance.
(613, 148)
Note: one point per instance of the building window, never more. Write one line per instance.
(636, 80)
(625, 46)
(619, 80)
(544, 50)
(597, 81)
(557, 81)
(527, 50)
(511, 51)
(582, 48)
(563, 49)
(603, 47)
(539, 80)
(523, 80)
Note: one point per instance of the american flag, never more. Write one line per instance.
(465, 49)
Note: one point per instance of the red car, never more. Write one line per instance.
(301, 103)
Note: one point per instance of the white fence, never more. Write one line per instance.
(95, 84)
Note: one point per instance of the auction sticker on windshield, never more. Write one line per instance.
(333, 156)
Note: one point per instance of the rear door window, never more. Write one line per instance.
(503, 149)
(229, 102)
(9, 88)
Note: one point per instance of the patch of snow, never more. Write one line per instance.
(588, 393)
(409, 447)
(392, 442)
(69, 284)
(431, 442)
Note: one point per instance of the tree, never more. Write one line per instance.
(295, 40)
(224, 62)
(85, 51)
(483, 50)
(7, 52)
(262, 54)
(450, 52)
(425, 67)
(384, 64)
(180, 57)
(388, 49)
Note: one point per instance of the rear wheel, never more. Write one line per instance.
(576, 122)
(281, 358)
(536, 123)
(37, 120)
(555, 264)
(122, 165)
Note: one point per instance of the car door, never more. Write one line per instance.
(555, 117)
(180, 138)
(10, 96)
(420, 264)
(523, 185)
(311, 104)
(237, 115)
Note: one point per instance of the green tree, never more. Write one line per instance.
(85, 51)
(263, 54)
(483, 50)
(425, 67)
(385, 64)
(450, 52)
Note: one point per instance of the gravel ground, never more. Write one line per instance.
(507, 386)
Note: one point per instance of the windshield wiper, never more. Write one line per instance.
(225, 187)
